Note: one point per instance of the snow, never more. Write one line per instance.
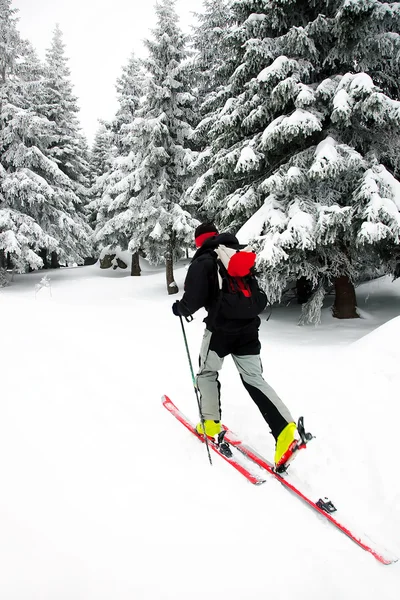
(285, 127)
(342, 102)
(228, 106)
(241, 199)
(270, 212)
(305, 97)
(256, 17)
(279, 65)
(247, 159)
(392, 183)
(300, 227)
(157, 232)
(293, 173)
(105, 496)
(379, 208)
(326, 149)
(362, 82)
(325, 155)
(253, 226)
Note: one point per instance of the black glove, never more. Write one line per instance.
(176, 309)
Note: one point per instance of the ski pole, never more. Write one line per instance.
(196, 391)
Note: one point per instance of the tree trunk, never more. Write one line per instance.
(54, 261)
(169, 271)
(43, 256)
(3, 273)
(345, 305)
(304, 290)
(135, 265)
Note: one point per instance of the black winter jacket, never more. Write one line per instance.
(201, 287)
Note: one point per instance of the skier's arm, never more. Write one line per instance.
(196, 289)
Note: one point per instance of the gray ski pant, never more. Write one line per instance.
(274, 411)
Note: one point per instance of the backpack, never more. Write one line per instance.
(240, 296)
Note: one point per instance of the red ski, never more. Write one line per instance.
(323, 506)
(252, 477)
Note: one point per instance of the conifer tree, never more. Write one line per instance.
(151, 191)
(108, 201)
(10, 41)
(303, 152)
(209, 73)
(36, 197)
(208, 42)
(131, 87)
(21, 237)
(68, 147)
(101, 151)
(60, 107)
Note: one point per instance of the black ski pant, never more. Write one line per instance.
(245, 349)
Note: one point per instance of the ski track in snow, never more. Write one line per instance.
(105, 497)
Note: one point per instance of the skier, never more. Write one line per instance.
(222, 337)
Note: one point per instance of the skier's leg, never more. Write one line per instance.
(207, 379)
(272, 408)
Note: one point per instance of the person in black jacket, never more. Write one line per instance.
(222, 337)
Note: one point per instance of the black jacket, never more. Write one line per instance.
(201, 286)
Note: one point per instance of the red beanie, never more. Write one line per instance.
(203, 232)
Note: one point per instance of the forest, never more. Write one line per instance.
(279, 121)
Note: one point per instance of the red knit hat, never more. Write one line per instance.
(203, 232)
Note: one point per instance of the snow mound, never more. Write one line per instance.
(355, 452)
(379, 353)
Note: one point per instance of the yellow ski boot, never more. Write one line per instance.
(286, 444)
(213, 428)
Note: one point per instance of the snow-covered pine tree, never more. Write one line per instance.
(131, 87)
(10, 41)
(155, 170)
(21, 237)
(303, 150)
(36, 198)
(68, 146)
(101, 151)
(60, 106)
(103, 154)
(109, 198)
(210, 70)
(161, 174)
(207, 41)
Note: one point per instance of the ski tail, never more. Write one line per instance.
(322, 506)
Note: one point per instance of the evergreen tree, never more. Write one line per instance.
(210, 71)
(10, 41)
(303, 150)
(131, 86)
(101, 151)
(108, 201)
(147, 205)
(36, 198)
(21, 237)
(208, 42)
(68, 147)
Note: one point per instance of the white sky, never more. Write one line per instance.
(99, 36)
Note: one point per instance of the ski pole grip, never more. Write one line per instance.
(189, 319)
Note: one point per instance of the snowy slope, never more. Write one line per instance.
(106, 497)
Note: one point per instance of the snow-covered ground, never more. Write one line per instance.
(104, 496)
